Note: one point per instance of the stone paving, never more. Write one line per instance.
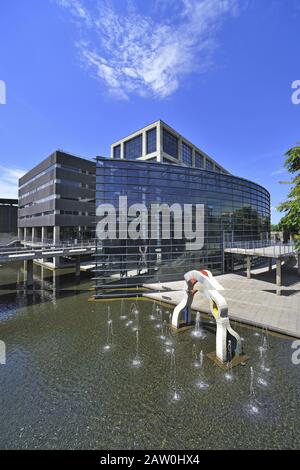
(252, 301)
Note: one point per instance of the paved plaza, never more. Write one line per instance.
(252, 301)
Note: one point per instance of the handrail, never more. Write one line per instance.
(263, 247)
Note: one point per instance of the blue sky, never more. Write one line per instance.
(80, 74)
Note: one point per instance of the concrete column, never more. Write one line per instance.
(43, 234)
(248, 267)
(19, 233)
(56, 239)
(270, 264)
(55, 261)
(193, 156)
(144, 144)
(278, 276)
(299, 264)
(77, 266)
(33, 234)
(56, 234)
(28, 267)
(159, 143)
(122, 150)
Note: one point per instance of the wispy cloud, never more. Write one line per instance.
(146, 54)
(278, 172)
(9, 181)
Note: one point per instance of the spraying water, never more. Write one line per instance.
(152, 313)
(264, 344)
(131, 315)
(262, 361)
(253, 408)
(123, 315)
(108, 315)
(136, 362)
(162, 330)
(198, 331)
(195, 360)
(173, 379)
(229, 374)
(158, 317)
(109, 338)
(202, 384)
(135, 311)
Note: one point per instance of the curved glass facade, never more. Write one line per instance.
(234, 209)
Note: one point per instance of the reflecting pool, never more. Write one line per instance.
(111, 375)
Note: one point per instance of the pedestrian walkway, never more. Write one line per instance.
(252, 301)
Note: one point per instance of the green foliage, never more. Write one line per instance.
(291, 207)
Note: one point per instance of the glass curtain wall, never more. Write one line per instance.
(234, 208)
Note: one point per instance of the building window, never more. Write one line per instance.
(187, 158)
(170, 144)
(151, 140)
(117, 151)
(209, 165)
(199, 160)
(133, 148)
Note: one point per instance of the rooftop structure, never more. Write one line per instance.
(158, 142)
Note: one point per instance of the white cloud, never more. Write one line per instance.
(9, 181)
(136, 53)
(278, 172)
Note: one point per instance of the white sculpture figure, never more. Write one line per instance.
(203, 281)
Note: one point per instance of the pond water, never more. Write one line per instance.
(105, 375)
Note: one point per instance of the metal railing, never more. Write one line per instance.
(263, 247)
(47, 244)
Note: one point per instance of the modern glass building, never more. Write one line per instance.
(234, 209)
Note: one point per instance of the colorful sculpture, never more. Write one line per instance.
(203, 281)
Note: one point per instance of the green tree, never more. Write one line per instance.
(291, 207)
